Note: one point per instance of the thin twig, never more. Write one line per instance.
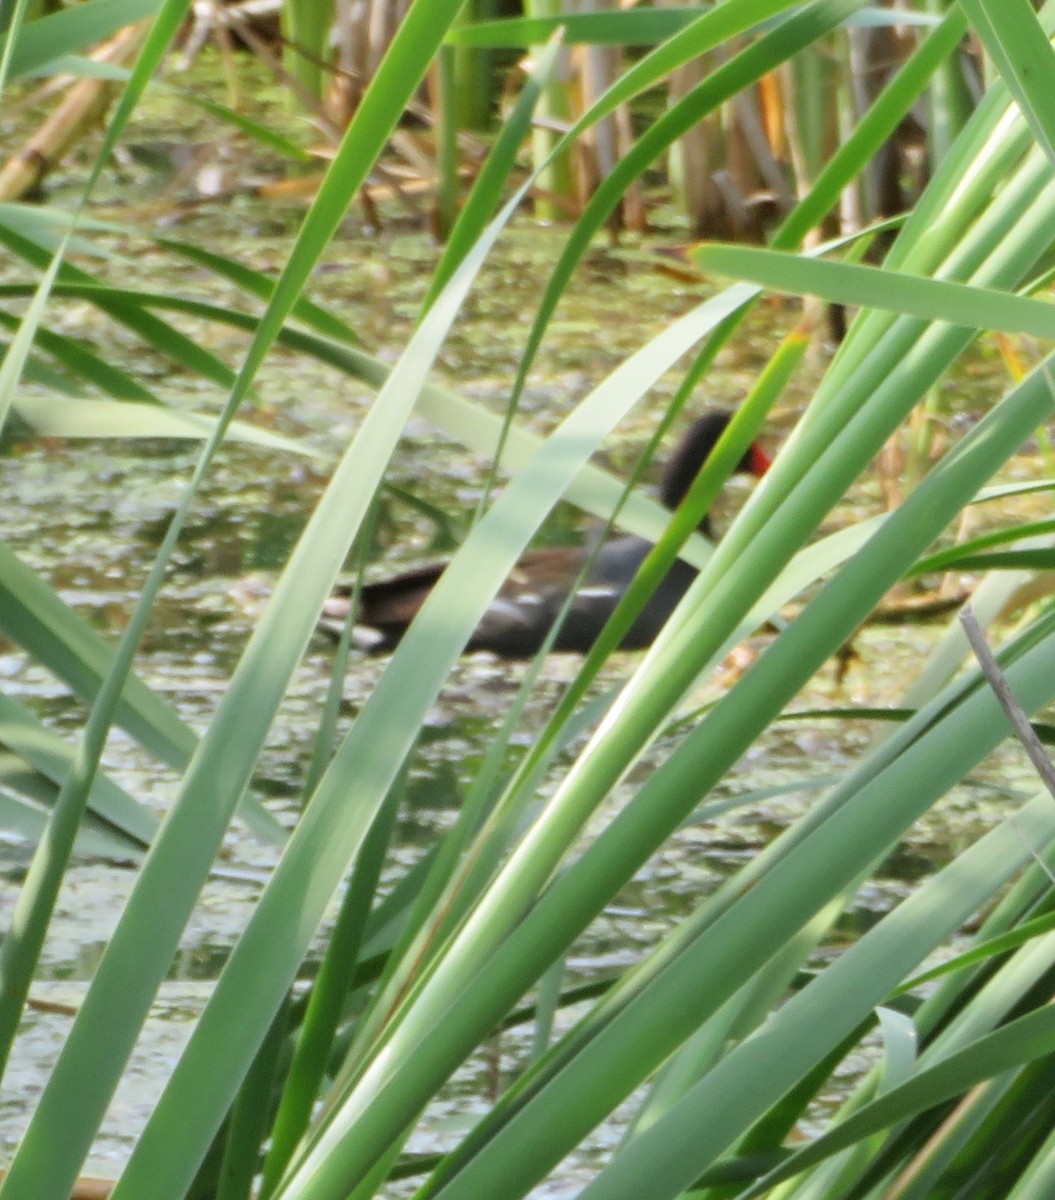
(1002, 690)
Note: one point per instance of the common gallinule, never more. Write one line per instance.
(522, 614)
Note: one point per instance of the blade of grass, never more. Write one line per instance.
(87, 1056)
(495, 172)
(333, 828)
(876, 287)
(20, 949)
(41, 41)
(1016, 1044)
(36, 618)
(369, 1116)
(52, 757)
(1022, 53)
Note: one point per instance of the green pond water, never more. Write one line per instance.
(89, 514)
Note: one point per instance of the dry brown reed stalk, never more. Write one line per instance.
(80, 112)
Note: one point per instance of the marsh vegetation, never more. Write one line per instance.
(430, 924)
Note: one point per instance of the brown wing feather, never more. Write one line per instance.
(394, 602)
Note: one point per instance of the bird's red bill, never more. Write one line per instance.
(759, 460)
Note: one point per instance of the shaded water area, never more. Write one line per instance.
(88, 515)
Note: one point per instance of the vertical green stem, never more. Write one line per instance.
(446, 143)
(472, 73)
(557, 181)
(306, 26)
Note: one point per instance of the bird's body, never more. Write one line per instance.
(522, 614)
